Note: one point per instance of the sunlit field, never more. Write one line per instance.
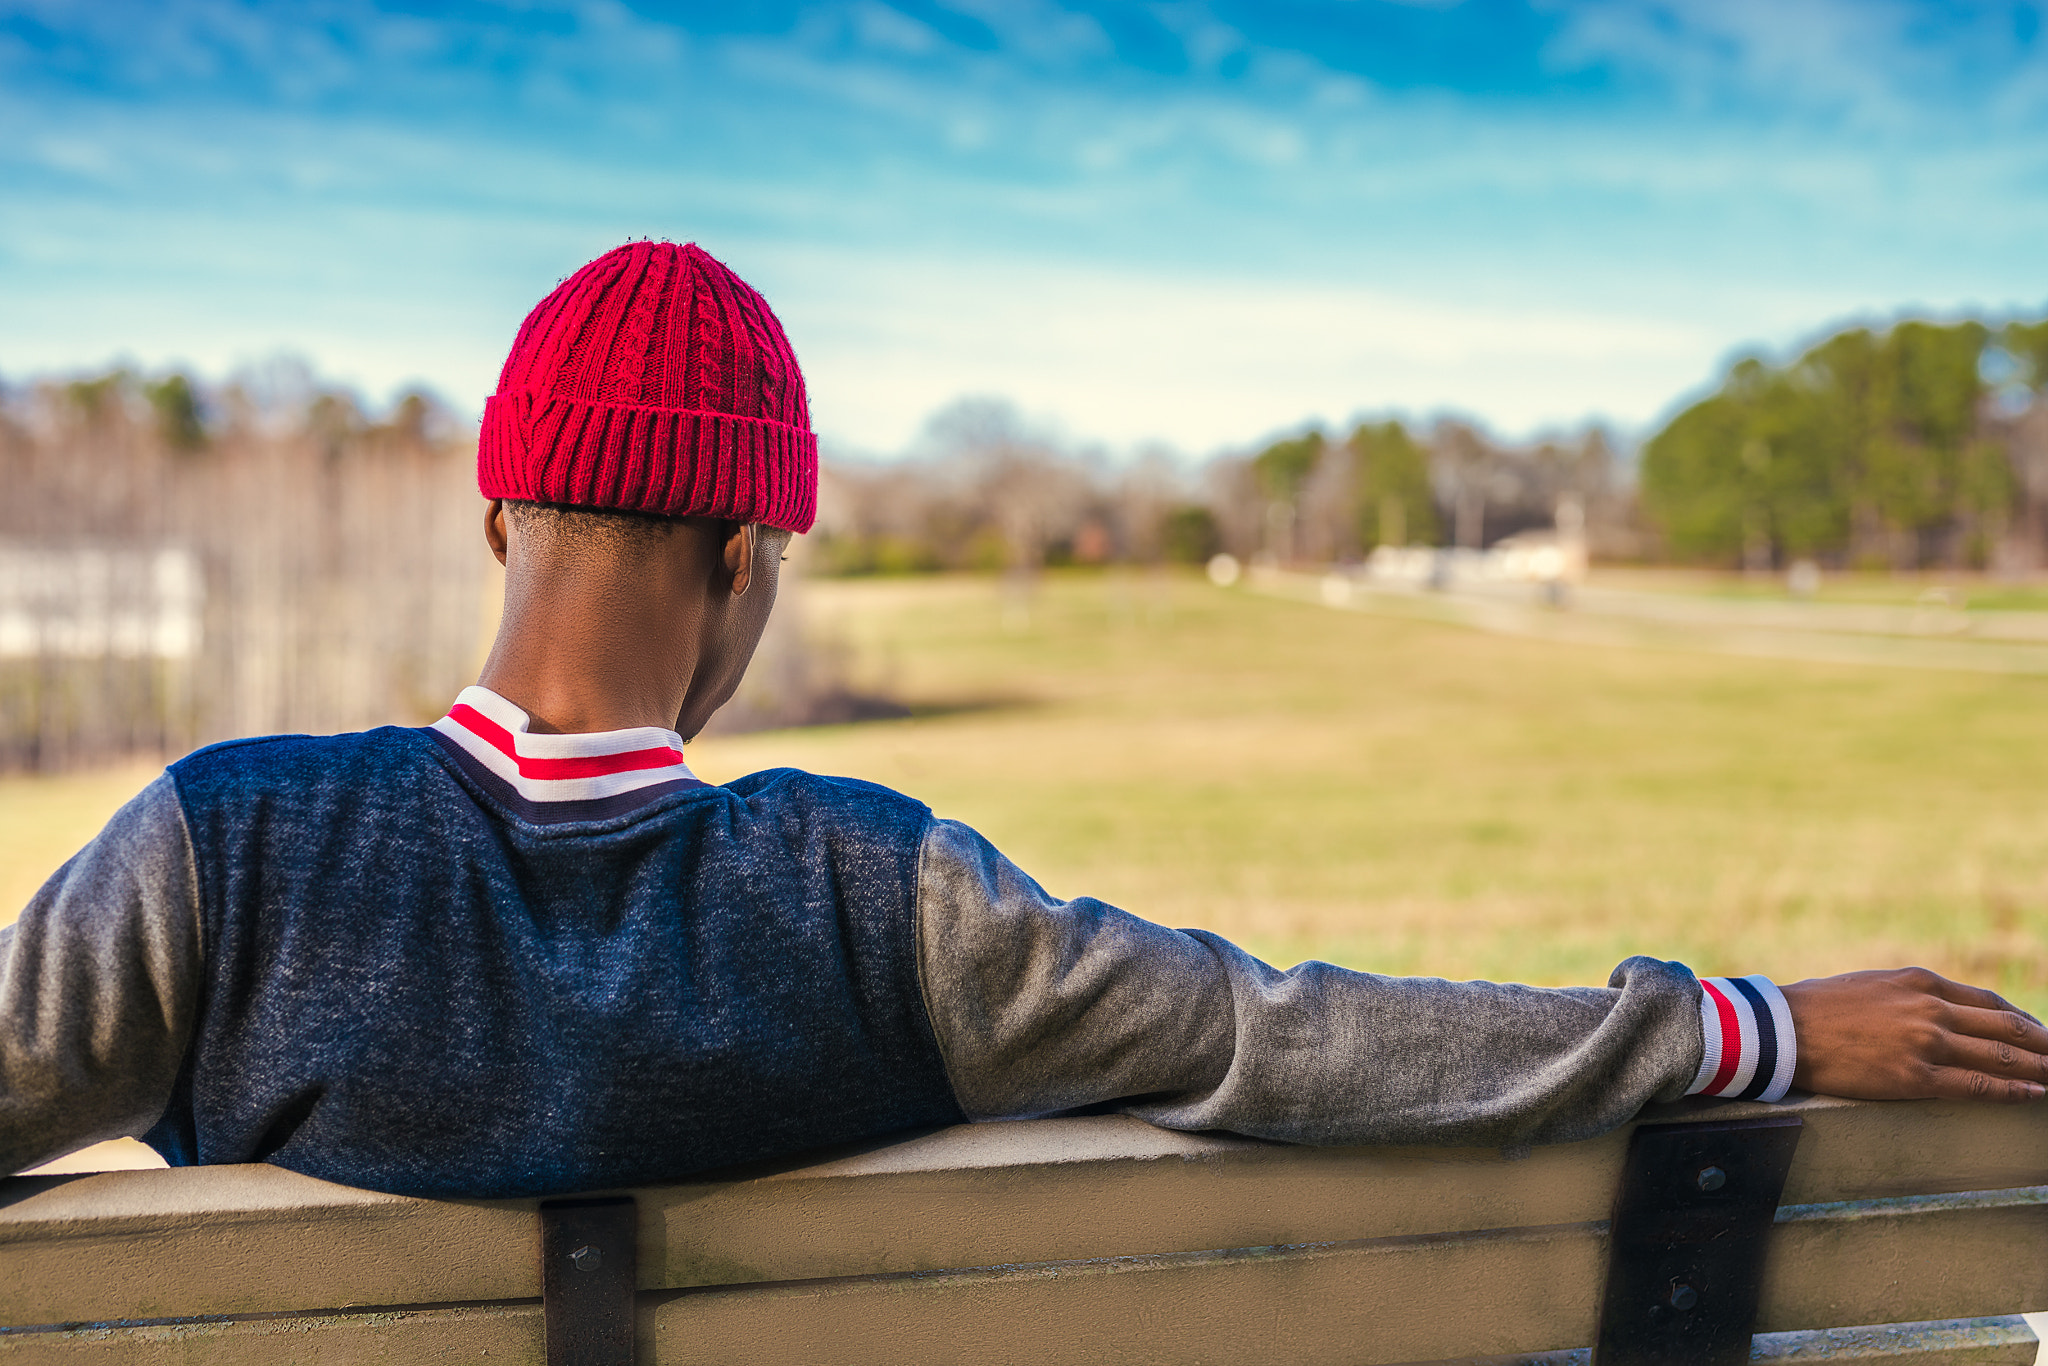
(1415, 798)
(43, 821)
(1410, 797)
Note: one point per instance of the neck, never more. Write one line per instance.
(609, 643)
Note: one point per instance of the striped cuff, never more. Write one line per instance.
(1750, 1050)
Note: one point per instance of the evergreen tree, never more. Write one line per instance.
(1869, 446)
(1395, 503)
(1285, 465)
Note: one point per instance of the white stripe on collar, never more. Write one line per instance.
(560, 768)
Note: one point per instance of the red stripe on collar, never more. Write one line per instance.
(581, 766)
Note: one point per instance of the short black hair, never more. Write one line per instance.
(609, 526)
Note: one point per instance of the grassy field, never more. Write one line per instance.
(43, 821)
(1417, 798)
(1976, 591)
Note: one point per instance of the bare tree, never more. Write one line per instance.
(182, 566)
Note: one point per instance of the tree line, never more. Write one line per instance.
(984, 488)
(1919, 445)
(182, 563)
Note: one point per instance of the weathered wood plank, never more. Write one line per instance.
(1440, 1298)
(1410, 1298)
(1910, 1259)
(2000, 1340)
(1402, 1299)
(240, 1240)
(1866, 1150)
(511, 1335)
(2003, 1340)
(491, 1335)
(228, 1240)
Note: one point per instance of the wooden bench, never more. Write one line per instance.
(1906, 1233)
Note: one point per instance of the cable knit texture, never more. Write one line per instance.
(654, 380)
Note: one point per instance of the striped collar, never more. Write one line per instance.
(549, 778)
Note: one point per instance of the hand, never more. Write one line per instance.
(1911, 1034)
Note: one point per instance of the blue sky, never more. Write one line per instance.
(1187, 222)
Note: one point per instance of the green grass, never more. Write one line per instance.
(1414, 798)
(1972, 591)
(43, 821)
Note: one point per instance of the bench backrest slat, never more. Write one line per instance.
(1081, 1228)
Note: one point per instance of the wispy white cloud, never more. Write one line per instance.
(882, 29)
(990, 196)
(1890, 64)
(1041, 31)
(1199, 360)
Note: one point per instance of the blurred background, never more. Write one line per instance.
(1475, 488)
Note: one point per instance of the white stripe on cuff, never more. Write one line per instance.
(1748, 1040)
(1788, 1045)
(1710, 1034)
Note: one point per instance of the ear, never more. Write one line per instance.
(739, 557)
(494, 527)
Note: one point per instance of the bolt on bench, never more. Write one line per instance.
(1832, 1230)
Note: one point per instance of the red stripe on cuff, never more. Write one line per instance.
(1731, 1038)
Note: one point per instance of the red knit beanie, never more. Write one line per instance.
(653, 380)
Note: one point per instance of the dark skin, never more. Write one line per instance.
(651, 631)
(657, 631)
(1911, 1034)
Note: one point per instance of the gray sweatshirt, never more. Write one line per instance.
(1039, 1006)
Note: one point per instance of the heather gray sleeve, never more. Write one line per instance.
(1043, 1005)
(99, 980)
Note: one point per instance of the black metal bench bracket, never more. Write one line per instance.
(1691, 1222)
(589, 1272)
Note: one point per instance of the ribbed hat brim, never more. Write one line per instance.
(671, 461)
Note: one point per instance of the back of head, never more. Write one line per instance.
(653, 381)
(555, 534)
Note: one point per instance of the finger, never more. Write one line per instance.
(1994, 1057)
(1963, 994)
(2007, 1026)
(1959, 1083)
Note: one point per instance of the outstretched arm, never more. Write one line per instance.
(1042, 1005)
